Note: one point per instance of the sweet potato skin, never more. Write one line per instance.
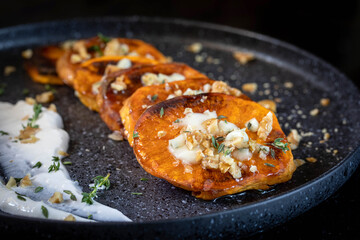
(153, 155)
(92, 71)
(42, 66)
(110, 102)
(143, 98)
(67, 70)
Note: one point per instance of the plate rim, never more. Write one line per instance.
(352, 155)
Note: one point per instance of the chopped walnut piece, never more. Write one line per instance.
(45, 97)
(27, 54)
(70, 218)
(119, 84)
(57, 197)
(314, 112)
(194, 47)
(269, 104)
(149, 79)
(210, 162)
(169, 59)
(75, 58)
(326, 136)
(116, 136)
(311, 159)
(199, 156)
(114, 48)
(288, 85)
(30, 100)
(62, 153)
(27, 135)
(52, 107)
(199, 58)
(81, 49)
(298, 162)
(211, 125)
(294, 138)
(161, 134)
(25, 181)
(11, 183)
(243, 57)
(25, 118)
(67, 45)
(325, 102)
(9, 70)
(222, 87)
(188, 110)
(31, 139)
(265, 126)
(253, 169)
(249, 87)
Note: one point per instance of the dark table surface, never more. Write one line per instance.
(329, 30)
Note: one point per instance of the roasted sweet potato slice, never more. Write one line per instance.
(219, 168)
(90, 72)
(110, 100)
(41, 67)
(83, 50)
(145, 97)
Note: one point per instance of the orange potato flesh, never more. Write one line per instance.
(67, 70)
(154, 156)
(139, 101)
(110, 102)
(41, 67)
(92, 71)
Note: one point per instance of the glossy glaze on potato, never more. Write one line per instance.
(41, 67)
(154, 156)
(67, 70)
(110, 102)
(92, 71)
(147, 96)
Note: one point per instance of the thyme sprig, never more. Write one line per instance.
(280, 145)
(96, 48)
(98, 182)
(56, 164)
(103, 38)
(31, 121)
(216, 144)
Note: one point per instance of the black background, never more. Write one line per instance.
(328, 29)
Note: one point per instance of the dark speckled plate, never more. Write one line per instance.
(169, 212)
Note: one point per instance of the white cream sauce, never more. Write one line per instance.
(193, 121)
(18, 159)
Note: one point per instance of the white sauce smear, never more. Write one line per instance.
(18, 159)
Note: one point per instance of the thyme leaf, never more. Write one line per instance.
(45, 212)
(135, 134)
(3, 133)
(269, 164)
(72, 196)
(154, 97)
(272, 152)
(98, 182)
(38, 189)
(161, 112)
(136, 193)
(37, 165)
